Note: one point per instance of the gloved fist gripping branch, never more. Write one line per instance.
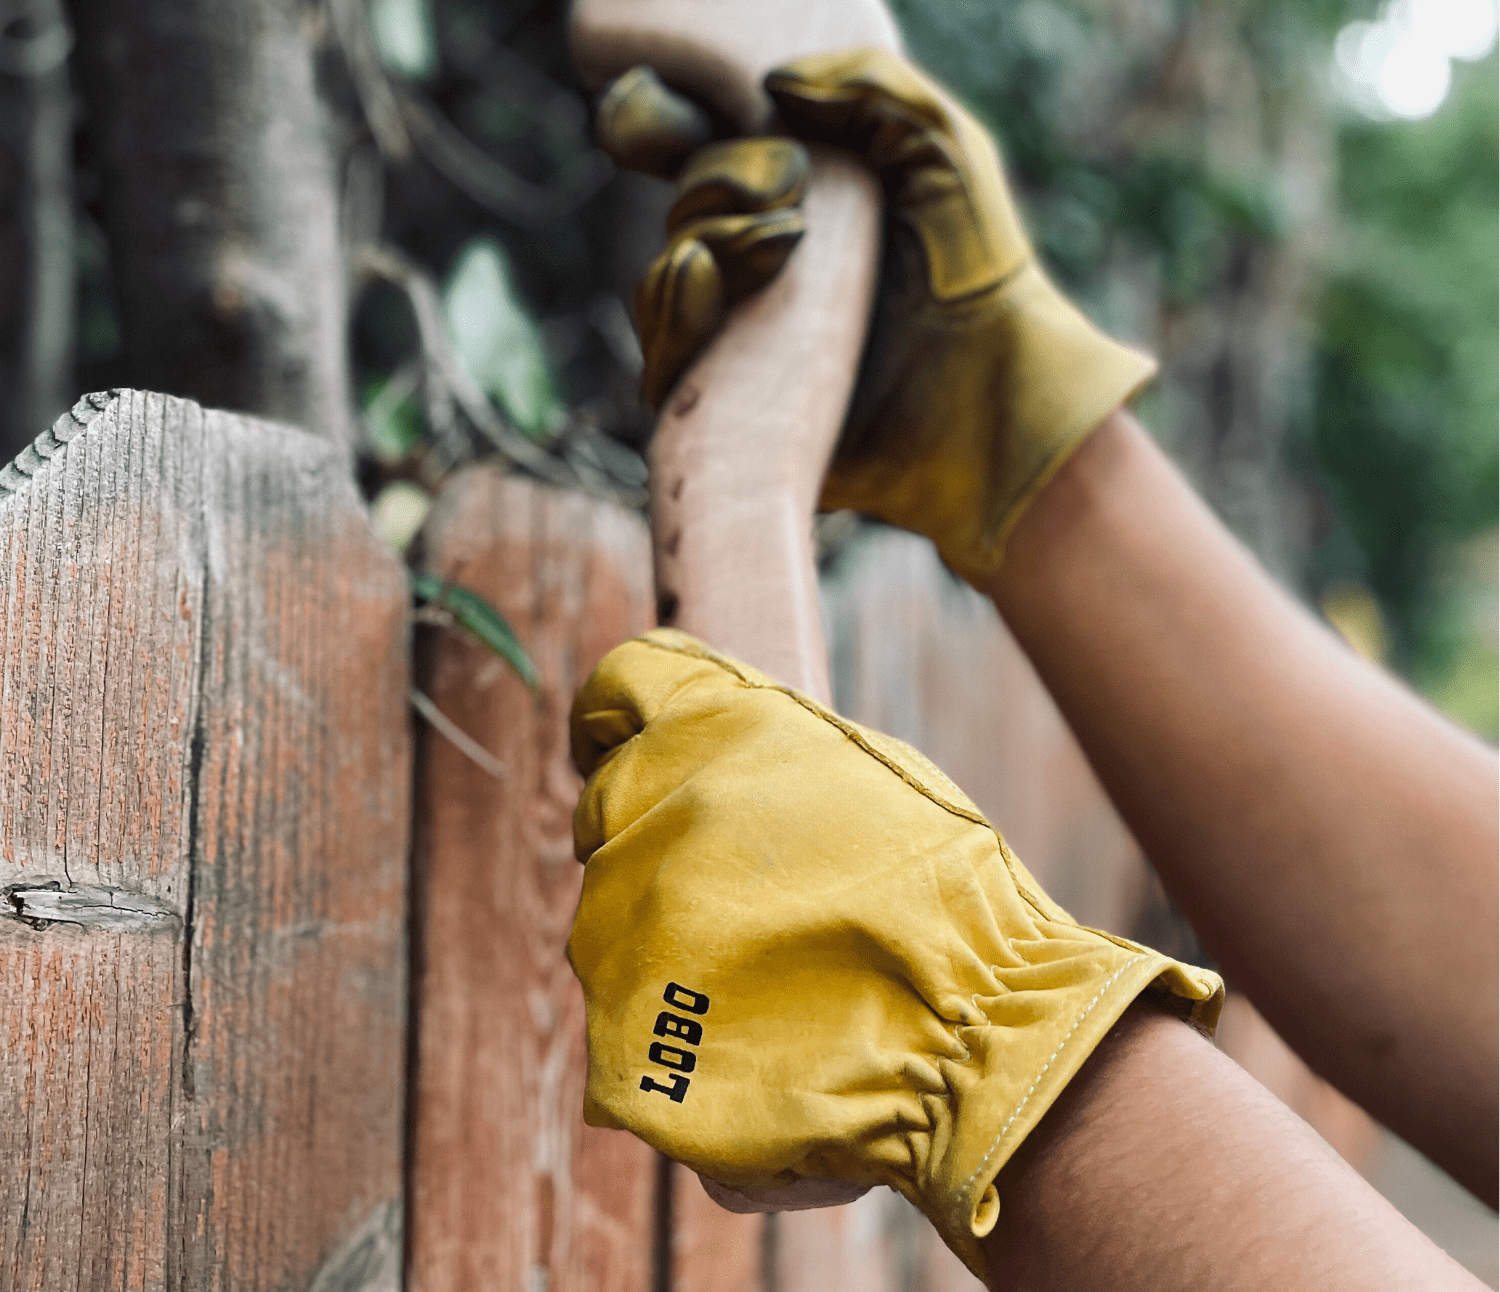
(805, 953)
(979, 379)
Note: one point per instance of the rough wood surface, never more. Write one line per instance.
(204, 782)
(714, 1250)
(509, 1189)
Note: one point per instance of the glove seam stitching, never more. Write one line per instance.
(1061, 1045)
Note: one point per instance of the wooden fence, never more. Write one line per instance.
(283, 996)
(205, 771)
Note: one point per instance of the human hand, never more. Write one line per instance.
(805, 955)
(979, 378)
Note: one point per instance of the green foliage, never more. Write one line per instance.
(404, 38)
(475, 615)
(392, 419)
(1018, 66)
(1404, 426)
(496, 339)
(1399, 430)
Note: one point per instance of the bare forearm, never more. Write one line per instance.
(1331, 838)
(1165, 1167)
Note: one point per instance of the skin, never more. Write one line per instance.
(1331, 838)
(1165, 1167)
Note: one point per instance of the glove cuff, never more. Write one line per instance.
(1061, 376)
(996, 1105)
(1010, 416)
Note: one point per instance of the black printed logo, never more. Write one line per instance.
(679, 1031)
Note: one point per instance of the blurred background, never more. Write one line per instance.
(391, 225)
(1291, 202)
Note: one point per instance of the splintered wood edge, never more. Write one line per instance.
(17, 474)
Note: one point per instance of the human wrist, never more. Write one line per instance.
(1091, 1123)
(1084, 484)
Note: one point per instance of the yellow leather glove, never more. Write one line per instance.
(979, 378)
(805, 953)
(735, 221)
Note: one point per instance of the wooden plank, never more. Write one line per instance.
(204, 784)
(854, 1247)
(509, 1189)
(714, 1250)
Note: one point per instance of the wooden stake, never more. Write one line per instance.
(742, 444)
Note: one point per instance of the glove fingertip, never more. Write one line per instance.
(648, 127)
(850, 99)
(679, 306)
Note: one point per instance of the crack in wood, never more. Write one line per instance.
(204, 673)
(98, 910)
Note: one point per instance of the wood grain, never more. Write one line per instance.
(714, 1250)
(204, 779)
(509, 1189)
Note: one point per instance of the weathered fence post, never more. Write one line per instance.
(509, 1190)
(204, 799)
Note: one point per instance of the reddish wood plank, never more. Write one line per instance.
(509, 1189)
(204, 784)
(714, 1250)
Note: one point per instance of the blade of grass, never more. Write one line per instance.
(465, 743)
(475, 615)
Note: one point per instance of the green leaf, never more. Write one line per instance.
(392, 418)
(497, 340)
(403, 35)
(475, 615)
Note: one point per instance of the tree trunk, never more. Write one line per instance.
(221, 203)
(36, 221)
